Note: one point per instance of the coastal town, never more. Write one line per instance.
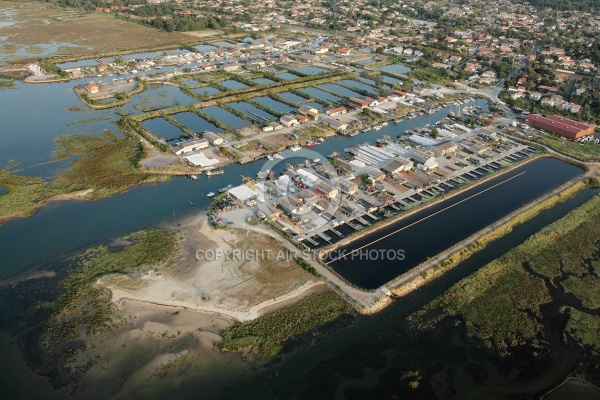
(282, 84)
(498, 87)
(251, 180)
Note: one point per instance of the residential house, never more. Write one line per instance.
(288, 120)
(336, 111)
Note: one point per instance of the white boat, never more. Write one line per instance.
(215, 172)
(278, 156)
(194, 177)
(269, 157)
(211, 194)
(263, 174)
(226, 188)
(295, 148)
(384, 124)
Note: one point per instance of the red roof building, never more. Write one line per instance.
(561, 126)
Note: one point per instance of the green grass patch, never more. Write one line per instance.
(23, 193)
(107, 164)
(267, 334)
(585, 152)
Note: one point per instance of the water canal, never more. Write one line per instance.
(434, 229)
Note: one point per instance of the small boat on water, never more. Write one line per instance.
(295, 148)
(384, 124)
(194, 177)
(215, 172)
(278, 156)
(311, 144)
(320, 140)
(226, 188)
(270, 157)
(210, 194)
(190, 203)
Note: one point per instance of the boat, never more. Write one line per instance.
(278, 156)
(270, 157)
(263, 174)
(320, 140)
(190, 203)
(295, 148)
(226, 188)
(377, 127)
(194, 177)
(210, 194)
(215, 172)
(384, 124)
(311, 144)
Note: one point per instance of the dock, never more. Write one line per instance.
(394, 206)
(336, 232)
(311, 241)
(363, 221)
(323, 236)
(351, 225)
(374, 218)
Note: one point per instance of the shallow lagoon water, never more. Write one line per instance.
(195, 122)
(224, 116)
(273, 104)
(396, 68)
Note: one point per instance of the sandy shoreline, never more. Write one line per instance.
(239, 289)
(241, 315)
